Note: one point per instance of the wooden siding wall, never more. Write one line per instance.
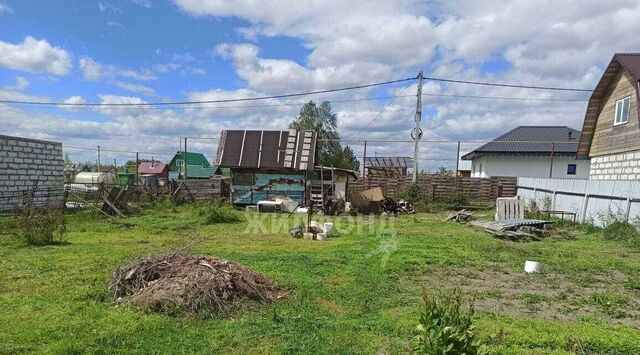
(610, 139)
(434, 186)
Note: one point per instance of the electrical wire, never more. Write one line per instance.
(484, 83)
(147, 104)
(379, 114)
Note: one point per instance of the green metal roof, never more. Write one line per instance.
(192, 158)
(198, 171)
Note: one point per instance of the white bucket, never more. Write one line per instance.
(531, 267)
(328, 228)
(321, 236)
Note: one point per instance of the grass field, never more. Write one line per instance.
(356, 293)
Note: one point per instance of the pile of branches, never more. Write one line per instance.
(179, 283)
(391, 207)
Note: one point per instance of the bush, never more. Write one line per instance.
(41, 226)
(617, 228)
(454, 200)
(444, 328)
(221, 213)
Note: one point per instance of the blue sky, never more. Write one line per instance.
(132, 51)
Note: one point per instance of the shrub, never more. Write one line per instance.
(454, 200)
(617, 228)
(41, 226)
(444, 328)
(221, 213)
(413, 194)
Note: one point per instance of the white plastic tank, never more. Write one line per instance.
(96, 178)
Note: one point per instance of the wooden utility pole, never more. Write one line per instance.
(458, 159)
(364, 164)
(137, 166)
(98, 158)
(416, 134)
(184, 159)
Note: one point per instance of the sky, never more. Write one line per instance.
(137, 51)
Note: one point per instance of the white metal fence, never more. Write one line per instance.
(591, 200)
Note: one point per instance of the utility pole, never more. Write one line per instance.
(98, 158)
(416, 133)
(184, 159)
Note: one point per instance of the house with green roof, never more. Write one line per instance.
(194, 164)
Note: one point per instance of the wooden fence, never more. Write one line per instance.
(436, 186)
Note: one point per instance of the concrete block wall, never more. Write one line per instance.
(624, 166)
(25, 163)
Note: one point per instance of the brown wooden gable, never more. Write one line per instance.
(630, 63)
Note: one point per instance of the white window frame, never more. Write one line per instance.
(575, 169)
(619, 104)
(179, 162)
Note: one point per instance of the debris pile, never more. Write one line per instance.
(461, 216)
(178, 283)
(391, 207)
(315, 231)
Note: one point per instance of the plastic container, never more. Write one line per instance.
(328, 229)
(531, 267)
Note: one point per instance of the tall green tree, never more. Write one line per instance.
(322, 120)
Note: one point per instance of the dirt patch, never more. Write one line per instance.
(547, 296)
(179, 283)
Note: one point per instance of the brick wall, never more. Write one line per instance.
(26, 163)
(624, 166)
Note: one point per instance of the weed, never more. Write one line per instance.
(611, 304)
(617, 227)
(633, 283)
(41, 226)
(444, 328)
(220, 213)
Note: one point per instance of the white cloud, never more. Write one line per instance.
(20, 85)
(91, 70)
(5, 9)
(36, 56)
(75, 100)
(139, 89)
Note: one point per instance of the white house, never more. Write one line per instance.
(531, 151)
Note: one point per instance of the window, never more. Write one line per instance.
(622, 111)
(571, 169)
(179, 162)
(243, 179)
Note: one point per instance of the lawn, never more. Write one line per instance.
(359, 292)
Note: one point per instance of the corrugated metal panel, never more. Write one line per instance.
(267, 149)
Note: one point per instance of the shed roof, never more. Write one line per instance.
(531, 140)
(147, 167)
(388, 162)
(289, 149)
(630, 62)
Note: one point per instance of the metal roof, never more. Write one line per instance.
(630, 62)
(531, 140)
(289, 149)
(388, 162)
(147, 167)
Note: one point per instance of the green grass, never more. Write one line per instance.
(344, 297)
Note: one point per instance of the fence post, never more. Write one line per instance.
(553, 200)
(585, 205)
(626, 215)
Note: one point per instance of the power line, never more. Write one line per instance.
(505, 85)
(202, 102)
(205, 101)
(379, 113)
(113, 150)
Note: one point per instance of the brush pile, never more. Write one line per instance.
(179, 283)
(391, 207)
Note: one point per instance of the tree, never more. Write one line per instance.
(322, 120)
(443, 171)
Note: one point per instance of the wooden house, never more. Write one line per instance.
(611, 129)
(191, 165)
(265, 164)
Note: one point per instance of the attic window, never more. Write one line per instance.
(622, 111)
